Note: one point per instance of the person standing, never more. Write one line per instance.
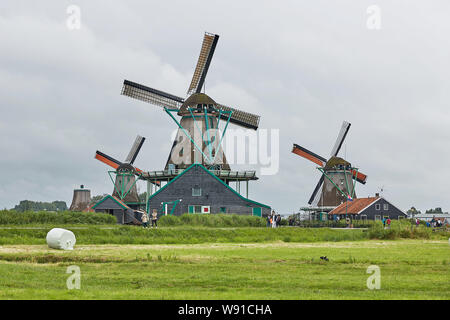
(384, 222)
(155, 218)
(144, 219)
(388, 221)
(278, 220)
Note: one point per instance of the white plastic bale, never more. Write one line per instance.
(58, 238)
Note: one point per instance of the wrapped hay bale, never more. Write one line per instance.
(58, 238)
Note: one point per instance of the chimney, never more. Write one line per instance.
(377, 195)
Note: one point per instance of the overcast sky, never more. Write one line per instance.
(304, 66)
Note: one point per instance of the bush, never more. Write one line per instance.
(212, 220)
(335, 224)
(400, 229)
(9, 217)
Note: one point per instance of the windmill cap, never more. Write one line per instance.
(195, 99)
(334, 162)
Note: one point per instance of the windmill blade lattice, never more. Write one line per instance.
(153, 96)
(203, 62)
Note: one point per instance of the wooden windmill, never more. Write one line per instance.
(337, 182)
(198, 139)
(125, 173)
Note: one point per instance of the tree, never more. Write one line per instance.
(413, 211)
(96, 199)
(436, 210)
(142, 197)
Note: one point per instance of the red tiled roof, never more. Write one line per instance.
(355, 206)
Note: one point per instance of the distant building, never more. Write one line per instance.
(114, 206)
(197, 190)
(371, 208)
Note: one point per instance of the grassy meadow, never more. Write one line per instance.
(410, 269)
(221, 257)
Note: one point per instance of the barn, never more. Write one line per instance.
(370, 208)
(197, 190)
(114, 206)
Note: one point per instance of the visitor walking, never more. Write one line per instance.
(155, 218)
(384, 223)
(144, 219)
(278, 220)
(388, 221)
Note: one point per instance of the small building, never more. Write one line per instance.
(428, 217)
(371, 208)
(114, 206)
(197, 190)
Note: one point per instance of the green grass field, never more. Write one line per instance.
(221, 263)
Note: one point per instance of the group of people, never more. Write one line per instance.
(273, 219)
(435, 223)
(154, 218)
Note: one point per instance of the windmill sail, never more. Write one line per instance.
(340, 139)
(315, 195)
(150, 95)
(203, 62)
(135, 149)
(241, 118)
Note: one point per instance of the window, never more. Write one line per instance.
(364, 217)
(377, 218)
(195, 209)
(196, 192)
(223, 210)
(385, 207)
(377, 207)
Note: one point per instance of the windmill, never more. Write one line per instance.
(125, 173)
(197, 139)
(337, 182)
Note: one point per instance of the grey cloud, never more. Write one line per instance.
(304, 66)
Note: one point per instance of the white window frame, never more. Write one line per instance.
(377, 206)
(377, 217)
(196, 195)
(195, 205)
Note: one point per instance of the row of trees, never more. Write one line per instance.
(28, 205)
(413, 211)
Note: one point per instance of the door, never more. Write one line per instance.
(257, 211)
